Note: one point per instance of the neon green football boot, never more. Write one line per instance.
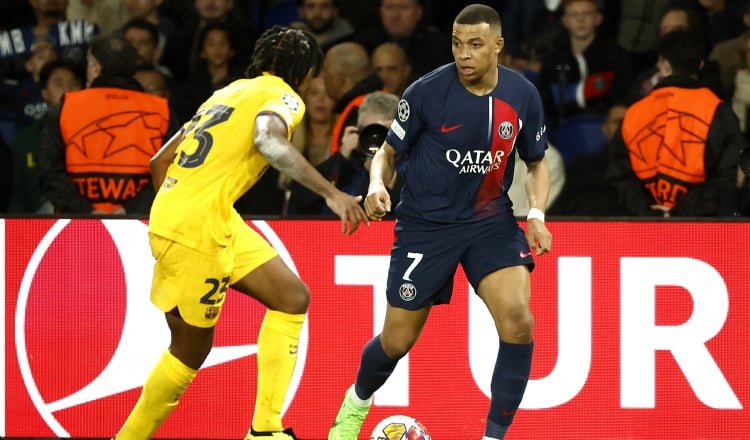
(350, 418)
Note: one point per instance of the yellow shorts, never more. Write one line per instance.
(196, 282)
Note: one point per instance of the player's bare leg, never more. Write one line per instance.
(379, 357)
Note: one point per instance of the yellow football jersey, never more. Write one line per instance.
(216, 162)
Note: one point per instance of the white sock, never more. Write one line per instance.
(356, 398)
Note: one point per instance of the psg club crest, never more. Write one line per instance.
(505, 130)
(407, 291)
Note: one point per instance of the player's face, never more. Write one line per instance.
(581, 19)
(61, 80)
(318, 14)
(475, 50)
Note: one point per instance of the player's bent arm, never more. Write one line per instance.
(163, 158)
(383, 166)
(271, 142)
(537, 184)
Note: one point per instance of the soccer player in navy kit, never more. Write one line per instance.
(456, 129)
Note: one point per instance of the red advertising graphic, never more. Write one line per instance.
(641, 333)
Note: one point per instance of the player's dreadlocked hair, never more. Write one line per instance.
(286, 53)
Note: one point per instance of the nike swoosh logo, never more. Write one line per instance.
(444, 129)
(508, 413)
(524, 254)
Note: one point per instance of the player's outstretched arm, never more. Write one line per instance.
(382, 169)
(537, 191)
(271, 142)
(163, 158)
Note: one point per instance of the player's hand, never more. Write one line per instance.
(378, 201)
(348, 209)
(538, 237)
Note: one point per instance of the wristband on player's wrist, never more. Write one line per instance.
(535, 213)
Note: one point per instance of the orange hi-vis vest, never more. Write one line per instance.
(110, 135)
(338, 126)
(666, 134)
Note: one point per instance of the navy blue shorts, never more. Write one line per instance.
(424, 259)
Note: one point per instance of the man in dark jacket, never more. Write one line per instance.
(677, 150)
(97, 143)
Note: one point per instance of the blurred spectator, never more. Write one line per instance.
(685, 18)
(149, 11)
(723, 20)
(426, 47)
(153, 81)
(677, 149)
(55, 79)
(725, 53)
(313, 137)
(108, 15)
(321, 18)
(217, 67)
(6, 175)
(391, 65)
(585, 193)
(348, 77)
(97, 143)
(144, 37)
(585, 71)
(68, 37)
(22, 94)
(517, 191)
(638, 30)
(741, 95)
(15, 14)
(522, 21)
(349, 167)
(183, 57)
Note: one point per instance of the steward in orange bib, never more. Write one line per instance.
(97, 143)
(677, 150)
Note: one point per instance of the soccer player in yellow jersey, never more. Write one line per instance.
(202, 245)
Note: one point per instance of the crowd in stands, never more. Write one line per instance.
(646, 101)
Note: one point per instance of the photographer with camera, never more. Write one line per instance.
(348, 168)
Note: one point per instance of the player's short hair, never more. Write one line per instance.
(286, 53)
(684, 49)
(478, 14)
(115, 54)
(379, 103)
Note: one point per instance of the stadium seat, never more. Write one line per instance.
(578, 136)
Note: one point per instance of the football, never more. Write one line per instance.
(400, 427)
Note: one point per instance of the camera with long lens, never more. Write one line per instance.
(371, 137)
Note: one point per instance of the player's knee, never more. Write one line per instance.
(298, 300)
(396, 348)
(517, 327)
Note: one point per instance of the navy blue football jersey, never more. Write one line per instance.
(457, 148)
